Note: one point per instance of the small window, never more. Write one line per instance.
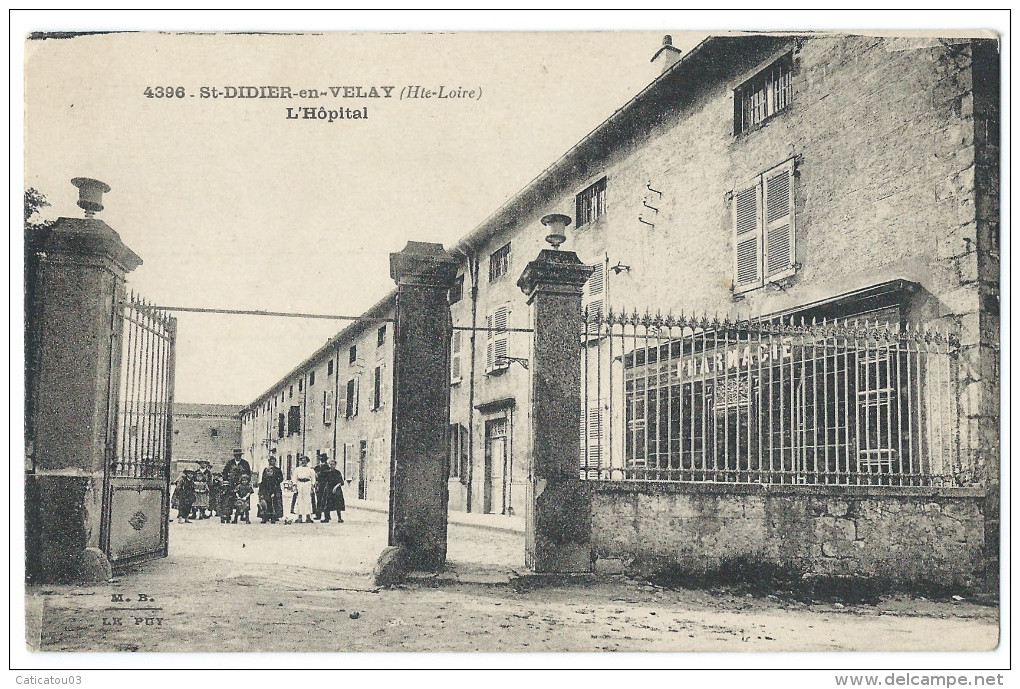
(300, 384)
(329, 367)
(352, 354)
(457, 291)
(363, 449)
(290, 394)
(311, 379)
(591, 203)
(499, 262)
(768, 92)
(380, 336)
(215, 432)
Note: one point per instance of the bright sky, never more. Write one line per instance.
(232, 205)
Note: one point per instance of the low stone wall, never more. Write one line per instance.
(900, 535)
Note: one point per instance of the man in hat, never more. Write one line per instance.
(320, 496)
(185, 495)
(232, 473)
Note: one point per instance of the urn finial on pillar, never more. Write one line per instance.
(90, 194)
(557, 224)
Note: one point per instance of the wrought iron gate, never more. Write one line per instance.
(136, 490)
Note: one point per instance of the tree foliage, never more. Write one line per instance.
(35, 201)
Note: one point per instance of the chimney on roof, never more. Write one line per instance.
(667, 55)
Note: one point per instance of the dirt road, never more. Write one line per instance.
(308, 588)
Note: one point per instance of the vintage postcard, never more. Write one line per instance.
(513, 342)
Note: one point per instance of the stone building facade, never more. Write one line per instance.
(204, 433)
(817, 176)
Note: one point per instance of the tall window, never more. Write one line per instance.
(455, 365)
(311, 379)
(496, 340)
(377, 377)
(352, 354)
(327, 407)
(766, 93)
(352, 398)
(499, 262)
(329, 367)
(458, 439)
(764, 232)
(380, 336)
(591, 203)
(294, 420)
(281, 425)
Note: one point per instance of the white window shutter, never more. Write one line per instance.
(591, 438)
(501, 339)
(594, 291)
(327, 407)
(779, 231)
(455, 356)
(747, 255)
(488, 343)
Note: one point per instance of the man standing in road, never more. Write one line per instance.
(334, 491)
(321, 495)
(271, 491)
(232, 473)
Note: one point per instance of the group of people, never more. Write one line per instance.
(199, 494)
(317, 491)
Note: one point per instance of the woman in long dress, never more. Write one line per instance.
(304, 479)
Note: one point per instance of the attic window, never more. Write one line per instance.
(767, 93)
(590, 204)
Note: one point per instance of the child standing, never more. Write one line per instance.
(242, 500)
(201, 495)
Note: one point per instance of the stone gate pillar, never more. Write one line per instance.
(419, 469)
(558, 519)
(77, 270)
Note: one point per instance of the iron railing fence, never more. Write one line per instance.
(143, 419)
(767, 401)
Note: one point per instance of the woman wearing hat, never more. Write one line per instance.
(271, 491)
(304, 479)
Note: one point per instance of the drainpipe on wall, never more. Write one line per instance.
(336, 400)
(473, 270)
(304, 412)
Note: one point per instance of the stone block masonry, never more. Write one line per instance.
(902, 536)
